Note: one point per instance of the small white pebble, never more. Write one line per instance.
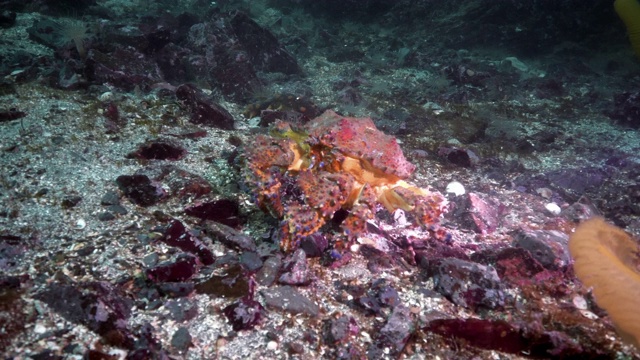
(580, 302)
(545, 192)
(272, 345)
(589, 315)
(39, 329)
(553, 208)
(455, 188)
(81, 224)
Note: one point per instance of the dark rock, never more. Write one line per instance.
(269, 271)
(113, 123)
(7, 19)
(548, 247)
(460, 157)
(288, 299)
(173, 61)
(237, 79)
(340, 329)
(177, 235)
(117, 209)
(478, 213)
(97, 305)
(397, 330)
(501, 336)
(161, 149)
(379, 295)
(183, 268)
(581, 210)
(229, 236)
(296, 269)
(181, 339)
(140, 190)
(184, 184)
(110, 198)
(106, 216)
(181, 310)
(13, 314)
(203, 110)
(496, 335)
(175, 289)
(244, 314)
(124, 67)
(517, 266)
(467, 283)
(314, 245)
(263, 49)
(232, 284)
(576, 182)
(251, 261)
(225, 211)
(70, 201)
(150, 259)
(11, 114)
(627, 109)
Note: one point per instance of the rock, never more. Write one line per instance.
(251, 261)
(340, 329)
(232, 284)
(203, 110)
(124, 67)
(297, 270)
(177, 235)
(97, 305)
(225, 211)
(269, 271)
(548, 247)
(467, 283)
(244, 314)
(229, 236)
(461, 157)
(396, 331)
(160, 149)
(183, 268)
(288, 299)
(181, 309)
(140, 190)
(264, 51)
(181, 339)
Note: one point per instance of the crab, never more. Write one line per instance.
(304, 175)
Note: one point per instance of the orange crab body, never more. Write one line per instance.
(304, 176)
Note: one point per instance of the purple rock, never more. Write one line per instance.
(244, 314)
(203, 110)
(340, 329)
(183, 268)
(460, 157)
(177, 235)
(97, 305)
(140, 190)
(288, 299)
(548, 247)
(262, 47)
(233, 283)
(229, 236)
(397, 330)
(123, 67)
(467, 283)
(161, 149)
(296, 270)
(225, 211)
(269, 271)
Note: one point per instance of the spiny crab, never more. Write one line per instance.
(304, 175)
